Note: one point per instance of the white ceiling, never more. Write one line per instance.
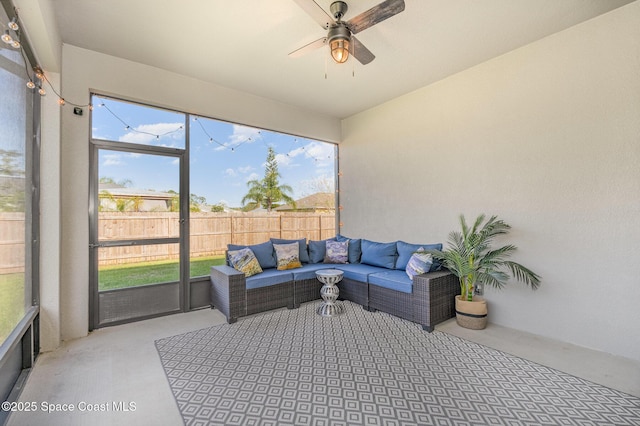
(244, 44)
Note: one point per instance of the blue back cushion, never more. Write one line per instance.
(302, 245)
(317, 250)
(263, 252)
(355, 248)
(405, 250)
(379, 254)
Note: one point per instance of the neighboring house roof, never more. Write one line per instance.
(121, 191)
(313, 202)
(150, 200)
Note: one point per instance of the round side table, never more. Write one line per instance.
(329, 292)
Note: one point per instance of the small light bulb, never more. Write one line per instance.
(15, 44)
(6, 37)
(61, 101)
(31, 84)
(42, 91)
(39, 74)
(14, 24)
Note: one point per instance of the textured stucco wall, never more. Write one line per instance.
(546, 137)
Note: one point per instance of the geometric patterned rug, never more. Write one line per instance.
(294, 367)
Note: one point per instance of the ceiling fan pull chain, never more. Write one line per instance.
(325, 68)
(353, 63)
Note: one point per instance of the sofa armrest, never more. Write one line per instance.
(228, 292)
(435, 297)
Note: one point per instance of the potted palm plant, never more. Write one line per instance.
(470, 257)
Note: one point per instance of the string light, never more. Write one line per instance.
(6, 37)
(14, 24)
(133, 129)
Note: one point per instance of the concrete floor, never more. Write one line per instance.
(120, 365)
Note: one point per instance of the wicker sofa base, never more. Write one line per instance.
(355, 291)
(431, 302)
(306, 291)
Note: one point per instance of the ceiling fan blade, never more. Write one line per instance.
(361, 53)
(376, 14)
(308, 48)
(316, 12)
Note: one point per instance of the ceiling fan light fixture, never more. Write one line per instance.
(340, 50)
(339, 42)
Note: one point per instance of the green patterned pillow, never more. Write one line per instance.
(245, 261)
(288, 256)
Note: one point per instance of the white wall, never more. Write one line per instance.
(50, 213)
(546, 137)
(83, 71)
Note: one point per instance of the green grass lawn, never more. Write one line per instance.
(11, 302)
(121, 276)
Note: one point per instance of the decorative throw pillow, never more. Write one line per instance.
(419, 263)
(302, 247)
(337, 252)
(245, 261)
(287, 256)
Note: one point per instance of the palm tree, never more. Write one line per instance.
(268, 191)
(470, 257)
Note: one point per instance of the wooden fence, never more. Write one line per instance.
(12, 234)
(209, 234)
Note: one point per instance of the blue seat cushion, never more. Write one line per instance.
(308, 271)
(263, 252)
(268, 277)
(405, 250)
(396, 279)
(357, 271)
(379, 254)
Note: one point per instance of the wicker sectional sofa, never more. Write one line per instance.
(374, 278)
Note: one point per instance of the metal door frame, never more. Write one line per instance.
(183, 238)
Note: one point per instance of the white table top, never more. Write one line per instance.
(329, 272)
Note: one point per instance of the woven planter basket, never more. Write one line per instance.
(472, 315)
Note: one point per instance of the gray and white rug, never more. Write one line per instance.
(293, 367)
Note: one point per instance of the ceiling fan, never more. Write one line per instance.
(339, 36)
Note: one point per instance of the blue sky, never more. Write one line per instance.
(224, 156)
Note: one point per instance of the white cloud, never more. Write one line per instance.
(112, 160)
(243, 170)
(240, 136)
(154, 134)
(321, 153)
(252, 176)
